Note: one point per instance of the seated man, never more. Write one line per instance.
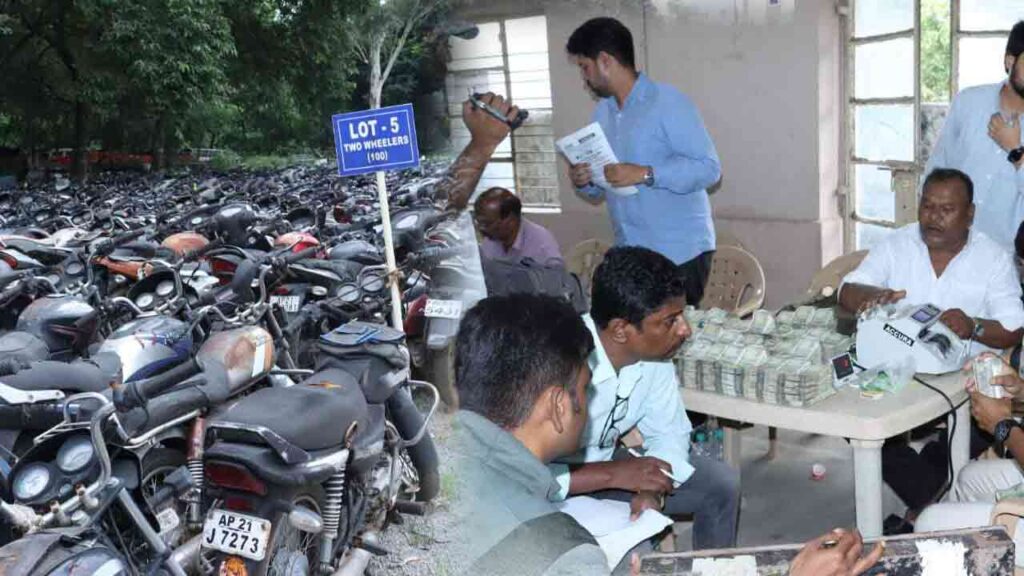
(499, 218)
(521, 373)
(637, 323)
(939, 260)
(981, 480)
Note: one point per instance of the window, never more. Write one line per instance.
(510, 57)
(901, 58)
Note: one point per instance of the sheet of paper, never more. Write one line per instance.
(589, 144)
(608, 521)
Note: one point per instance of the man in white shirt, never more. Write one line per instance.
(943, 261)
(637, 322)
(982, 137)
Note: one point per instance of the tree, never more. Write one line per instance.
(936, 59)
(174, 53)
(381, 32)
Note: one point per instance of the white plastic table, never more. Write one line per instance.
(867, 423)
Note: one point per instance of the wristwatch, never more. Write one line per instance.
(979, 329)
(649, 175)
(1015, 155)
(1003, 429)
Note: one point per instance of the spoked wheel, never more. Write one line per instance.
(294, 552)
(156, 465)
(155, 468)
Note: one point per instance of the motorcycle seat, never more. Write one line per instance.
(314, 415)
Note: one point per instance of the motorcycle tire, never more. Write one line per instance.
(408, 420)
(282, 562)
(441, 373)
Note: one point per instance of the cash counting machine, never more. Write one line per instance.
(887, 335)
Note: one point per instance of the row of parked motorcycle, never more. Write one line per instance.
(197, 375)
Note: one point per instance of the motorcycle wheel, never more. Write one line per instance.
(293, 552)
(441, 373)
(408, 420)
(156, 465)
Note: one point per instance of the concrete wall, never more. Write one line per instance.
(766, 80)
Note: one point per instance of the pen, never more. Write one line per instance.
(635, 454)
(515, 123)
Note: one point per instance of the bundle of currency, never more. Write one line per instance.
(824, 317)
(737, 324)
(802, 316)
(730, 371)
(750, 362)
(716, 316)
(727, 336)
(768, 389)
(834, 344)
(709, 376)
(763, 322)
(805, 383)
(787, 317)
(689, 362)
(754, 339)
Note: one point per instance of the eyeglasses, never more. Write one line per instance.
(610, 433)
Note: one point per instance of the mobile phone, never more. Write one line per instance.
(513, 124)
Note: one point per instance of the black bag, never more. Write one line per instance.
(505, 277)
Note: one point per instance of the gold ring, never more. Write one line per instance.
(830, 543)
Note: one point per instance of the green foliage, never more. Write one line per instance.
(936, 57)
(256, 76)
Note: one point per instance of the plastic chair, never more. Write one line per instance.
(736, 282)
(723, 238)
(584, 259)
(1006, 514)
(831, 276)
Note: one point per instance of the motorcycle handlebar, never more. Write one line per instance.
(293, 257)
(137, 393)
(106, 246)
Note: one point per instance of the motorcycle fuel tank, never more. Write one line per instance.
(247, 353)
(148, 345)
(62, 322)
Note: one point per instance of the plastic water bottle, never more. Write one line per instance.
(717, 444)
(698, 446)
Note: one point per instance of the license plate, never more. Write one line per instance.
(443, 309)
(289, 303)
(235, 533)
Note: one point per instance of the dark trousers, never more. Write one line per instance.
(918, 478)
(695, 276)
(711, 494)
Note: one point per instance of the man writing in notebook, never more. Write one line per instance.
(637, 323)
(663, 148)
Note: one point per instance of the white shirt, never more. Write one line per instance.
(966, 146)
(654, 406)
(981, 280)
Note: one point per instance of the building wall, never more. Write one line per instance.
(766, 81)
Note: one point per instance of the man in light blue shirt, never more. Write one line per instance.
(637, 323)
(982, 137)
(665, 151)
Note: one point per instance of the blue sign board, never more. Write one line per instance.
(373, 140)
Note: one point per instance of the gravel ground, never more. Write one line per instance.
(420, 547)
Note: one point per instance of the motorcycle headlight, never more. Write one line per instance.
(31, 481)
(75, 455)
(95, 562)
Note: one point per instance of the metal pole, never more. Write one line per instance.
(389, 251)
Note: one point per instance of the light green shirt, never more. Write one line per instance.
(655, 407)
